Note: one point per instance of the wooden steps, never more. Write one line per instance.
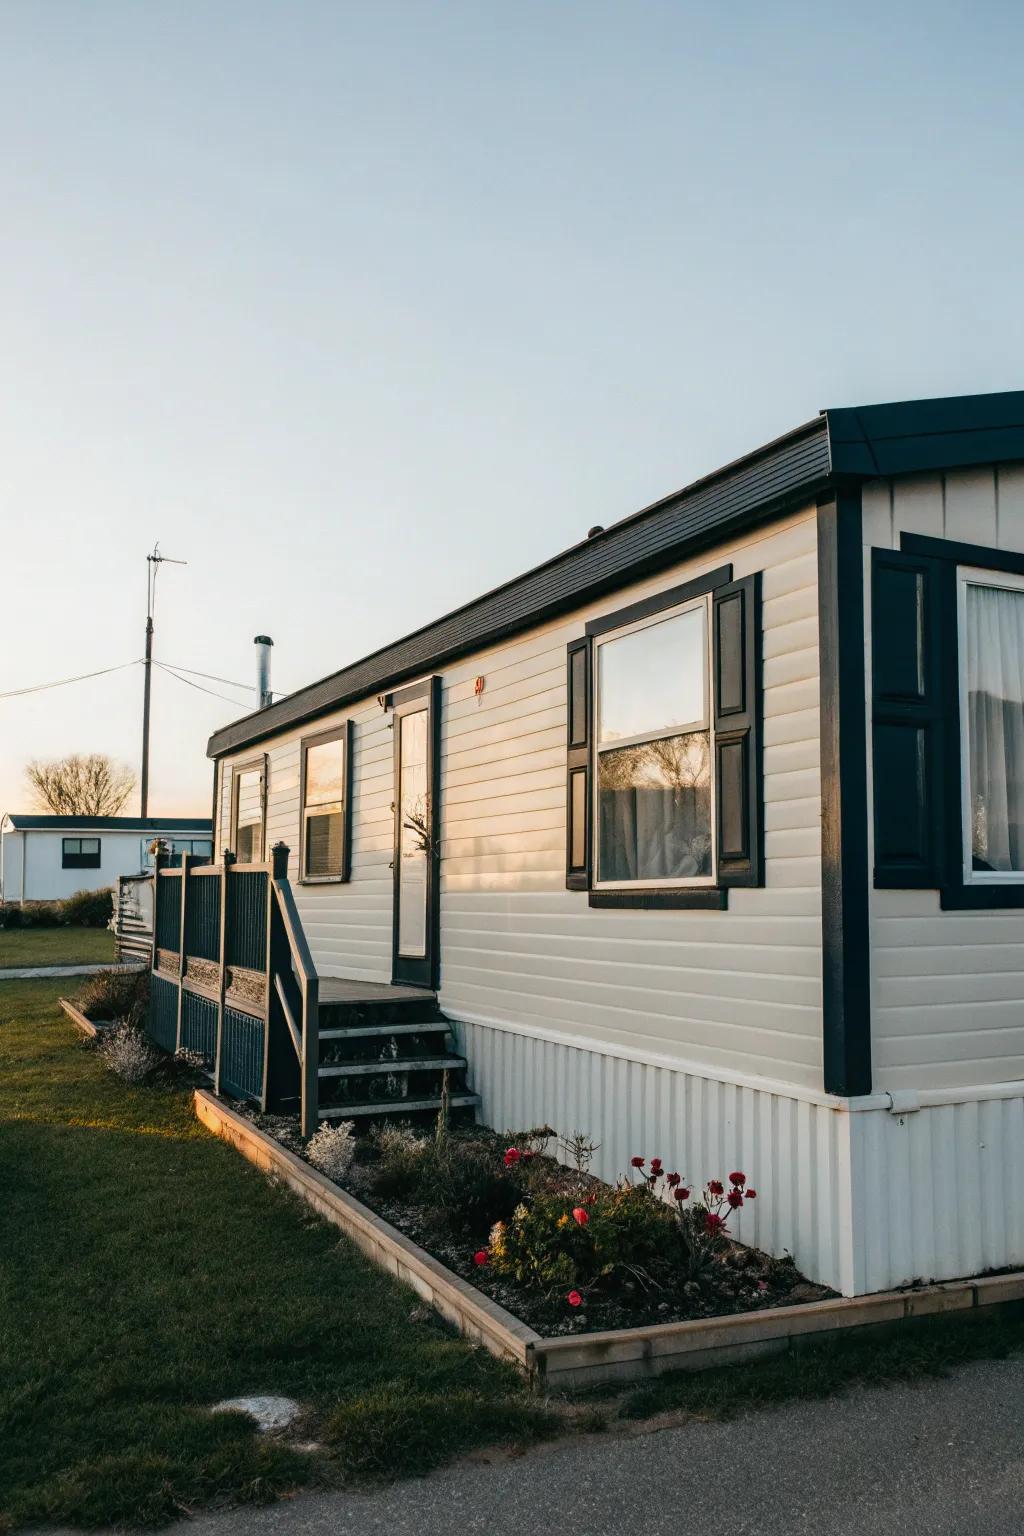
(386, 1054)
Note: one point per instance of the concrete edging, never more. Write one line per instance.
(626, 1354)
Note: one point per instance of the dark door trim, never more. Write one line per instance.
(405, 971)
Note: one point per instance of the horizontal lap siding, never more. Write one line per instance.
(737, 990)
(348, 926)
(947, 987)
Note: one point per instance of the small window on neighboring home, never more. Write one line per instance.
(653, 807)
(80, 853)
(323, 806)
(248, 814)
(991, 620)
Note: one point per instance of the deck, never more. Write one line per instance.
(339, 989)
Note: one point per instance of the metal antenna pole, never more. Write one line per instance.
(153, 564)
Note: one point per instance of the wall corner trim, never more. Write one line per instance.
(846, 955)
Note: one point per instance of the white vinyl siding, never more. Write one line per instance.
(947, 987)
(739, 989)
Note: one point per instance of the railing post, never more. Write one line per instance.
(160, 853)
(278, 871)
(227, 860)
(186, 860)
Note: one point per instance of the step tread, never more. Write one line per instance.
(357, 1031)
(398, 1106)
(379, 1068)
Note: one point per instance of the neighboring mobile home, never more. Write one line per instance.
(709, 833)
(45, 858)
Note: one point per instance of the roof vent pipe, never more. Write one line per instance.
(263, 644)
(592, 533)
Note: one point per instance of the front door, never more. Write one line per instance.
(417, 853)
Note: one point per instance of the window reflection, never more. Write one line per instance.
(654, 809)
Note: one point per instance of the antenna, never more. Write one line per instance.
(153, 564)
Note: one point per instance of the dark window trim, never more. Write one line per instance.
(647, 607)
(846, 951)
(260, 761)
(342, 733)
(708, 897)
(80, 860)
(697, 898)
(955, 895)
(1006, 560)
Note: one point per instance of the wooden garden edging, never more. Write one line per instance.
(78, 1018)
(585, 1359)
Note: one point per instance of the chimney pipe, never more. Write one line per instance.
(263, 644)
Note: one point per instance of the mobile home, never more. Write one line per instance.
(707, 837)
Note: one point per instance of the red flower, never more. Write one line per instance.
(574, 1299)
(672, 1179)
(681, 1193)
(512, 1156)
(580, 1216)
(480, 1258)
(739, 1179)
(655, 1165)
(716, 1187)
(751, 1194)
(735, 1199)
(712, 1223)
(636, 1162)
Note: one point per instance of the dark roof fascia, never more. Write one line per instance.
(112, 823)
(784, 474)
(909, 436)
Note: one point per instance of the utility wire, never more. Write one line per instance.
(190, 684)
(211, 676)
(63, 682)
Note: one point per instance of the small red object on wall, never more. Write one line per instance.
(478, 686)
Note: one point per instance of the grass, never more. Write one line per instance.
(56, 946)
(147, 1271)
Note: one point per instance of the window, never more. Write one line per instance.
(325, 761)
(199, 847)
(991, 652)
(80, 853)
(654, 807)
(664, 788)
(248, 809)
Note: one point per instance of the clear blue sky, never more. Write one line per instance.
(362, 308)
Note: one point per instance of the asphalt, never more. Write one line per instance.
(30, 972)
(939, 1458)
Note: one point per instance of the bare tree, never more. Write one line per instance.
(81, 785)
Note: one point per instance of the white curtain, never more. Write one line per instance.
(995, 691)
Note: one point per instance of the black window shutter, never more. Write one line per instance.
(578, 837)
(736, 684)
(907, 594)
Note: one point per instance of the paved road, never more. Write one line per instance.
(29, 972)
(944, 1458)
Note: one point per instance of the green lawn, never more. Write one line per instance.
(147, 1270)
(56, 946)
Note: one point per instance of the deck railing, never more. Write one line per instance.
(233, 979)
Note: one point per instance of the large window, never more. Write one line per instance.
(991, 628)
(80, 853)
(248, 812)
(654, 808)
(198, 847)
(324, 780)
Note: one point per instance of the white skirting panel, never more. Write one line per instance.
(864, 1199)
(939, 1192)
(794, 1152)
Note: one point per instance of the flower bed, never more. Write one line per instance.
(560, 1249)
